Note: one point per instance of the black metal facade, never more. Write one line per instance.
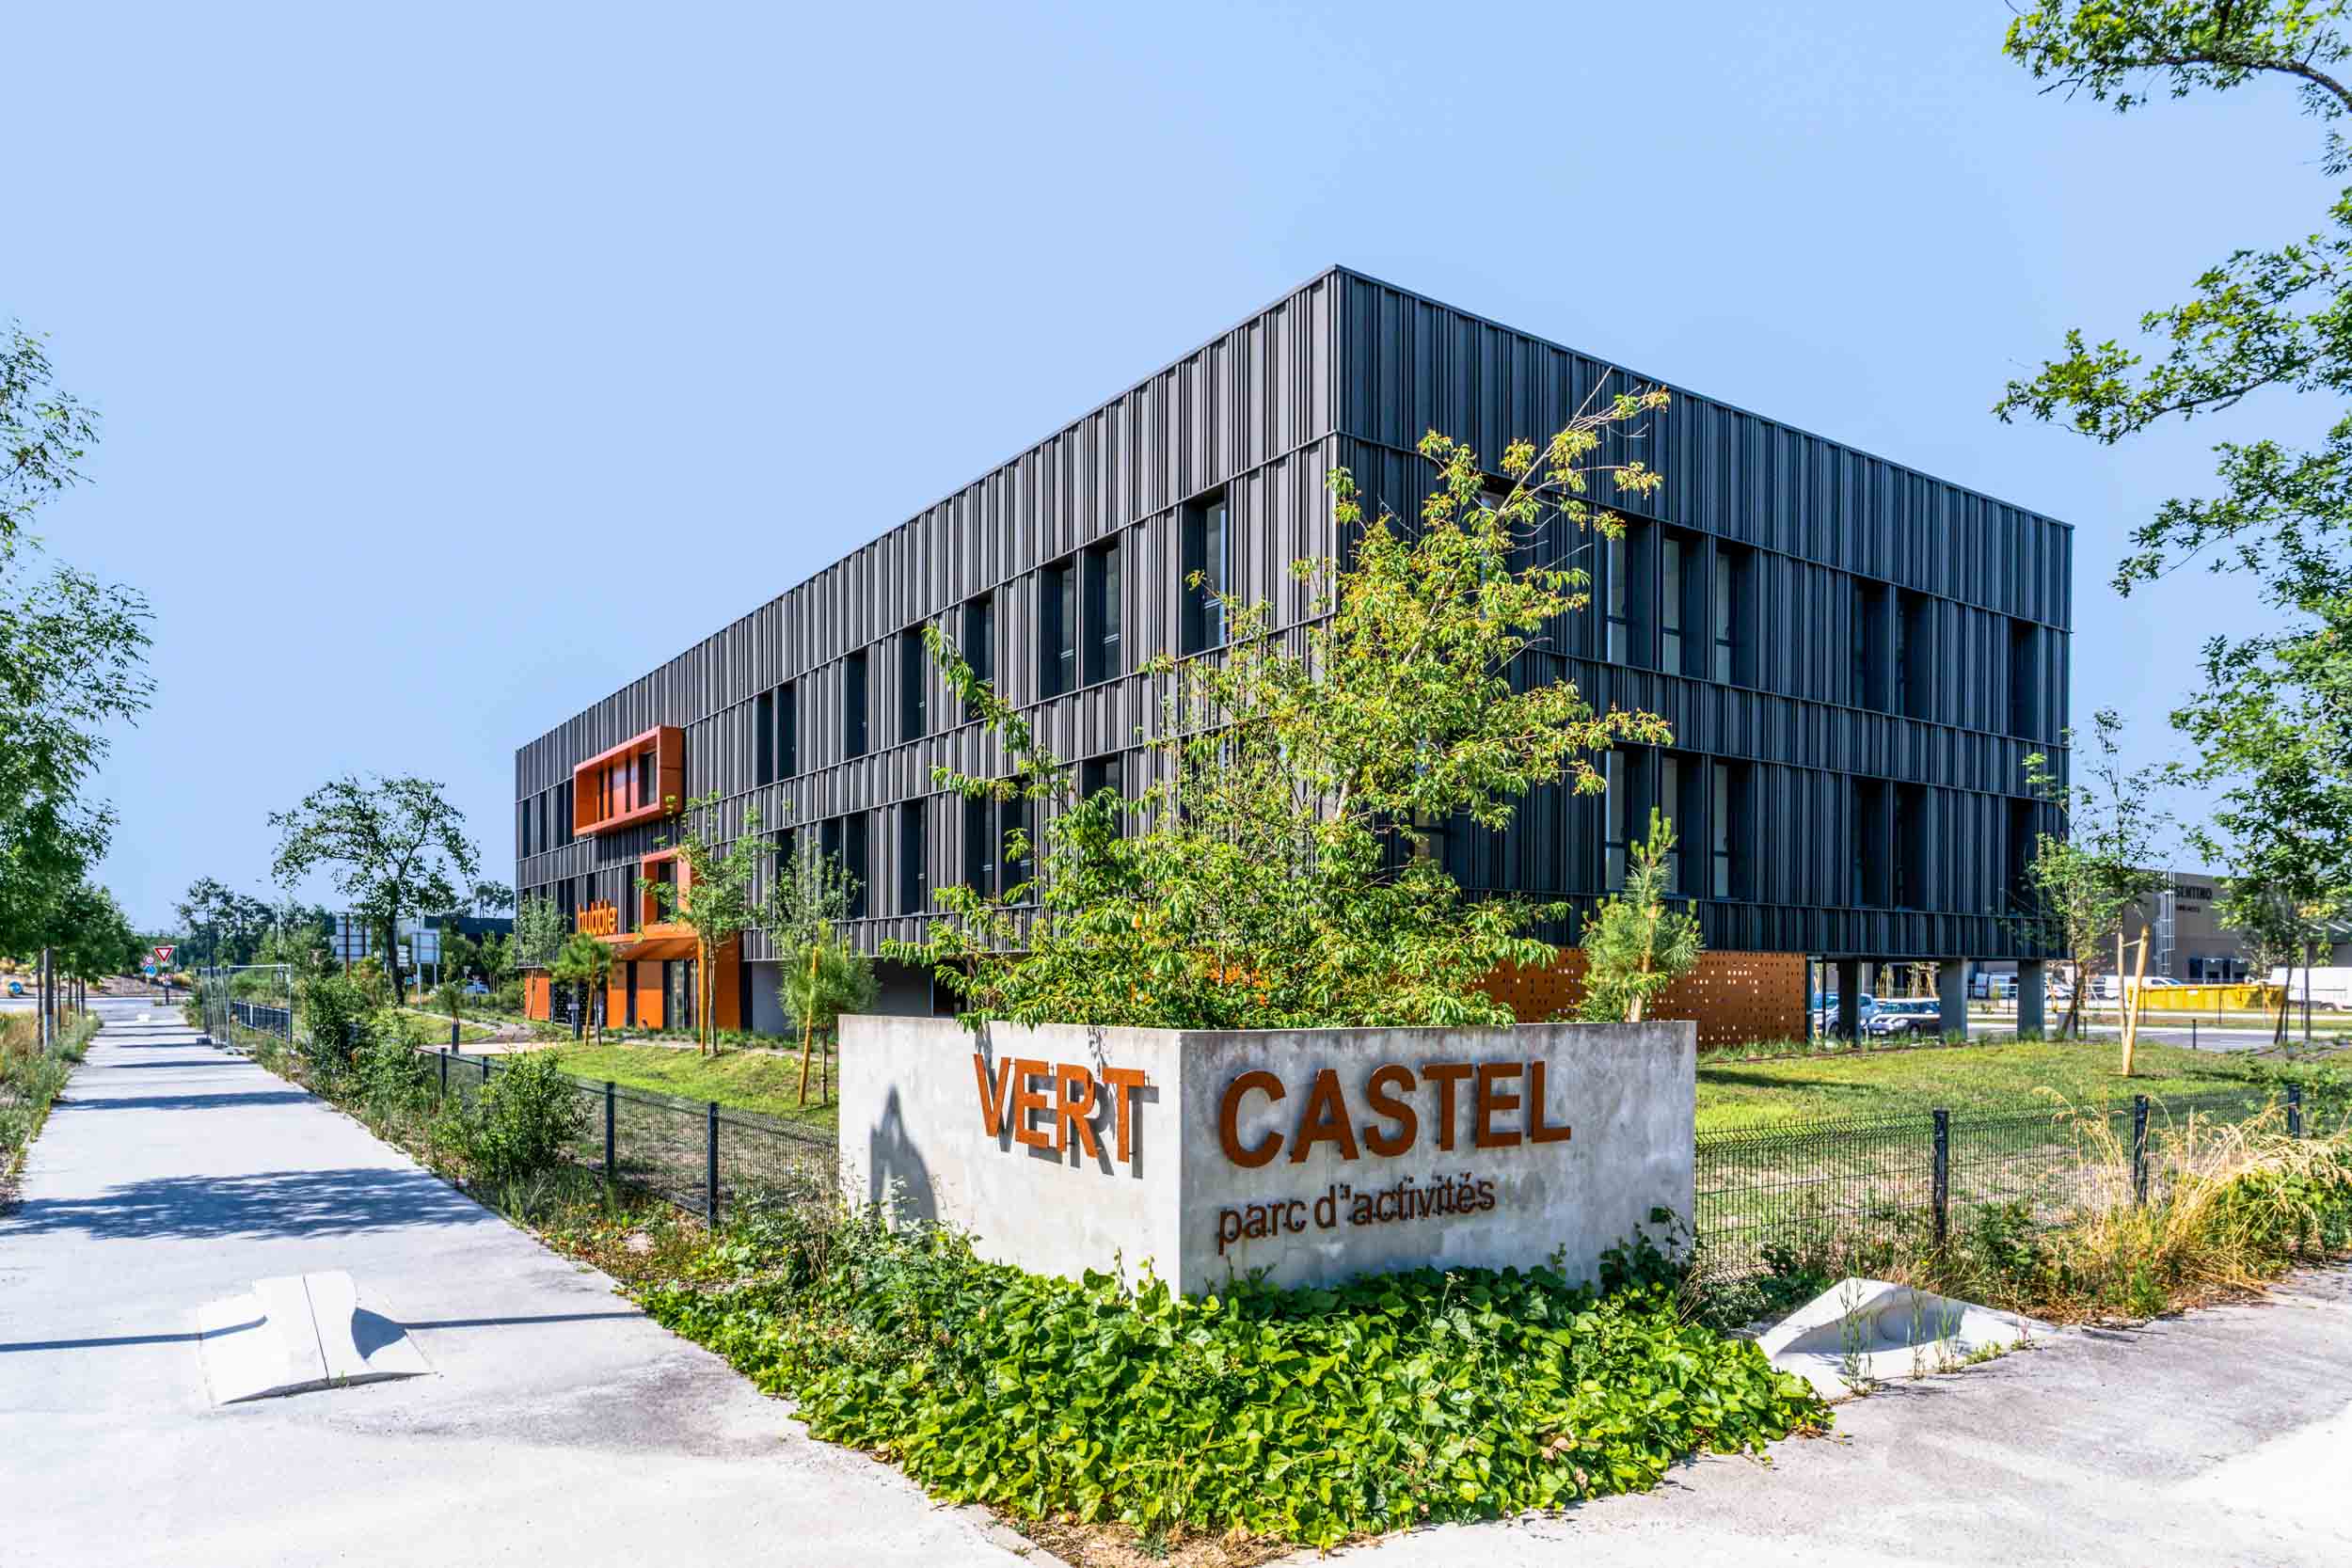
(1883, 652)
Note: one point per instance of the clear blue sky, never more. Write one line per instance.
(458, 364)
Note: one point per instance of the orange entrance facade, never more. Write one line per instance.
(652, 980)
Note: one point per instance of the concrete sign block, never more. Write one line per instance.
(1312, 1156)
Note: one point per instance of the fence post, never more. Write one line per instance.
(444, 1075)
(610, 1169)
(486, 1070)
(710, 1167)
(2139, 1148)
(2192, 1033)
(2294, 1110)
(1943, 1175)
(453, 1034)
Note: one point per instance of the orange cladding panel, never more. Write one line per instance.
(1733, 997)
(535, 997)
(648, 994)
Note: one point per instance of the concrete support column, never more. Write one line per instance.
(1849, 1024)
(2030, 995)
(1951, 996)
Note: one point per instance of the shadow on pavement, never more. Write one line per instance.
(268, 1203)
(188, 1101)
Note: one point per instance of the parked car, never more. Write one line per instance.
(475, 988)
(1912, 1016)
(1825, 1012)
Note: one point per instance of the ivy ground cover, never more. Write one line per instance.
(1309, 1416)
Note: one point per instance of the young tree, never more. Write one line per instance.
(539, 933)
(43, 434)
(714, 894)
(2083, 880)
(393, 846)
(1280, 871)
(583, 961)
(1636, 944)
(823, 975)
(73, 655)
(2273, 709)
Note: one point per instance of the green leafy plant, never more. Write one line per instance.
(1636, 944)
(583, 961)
(1306, 1415)
(1281, 871)
(523, 1122)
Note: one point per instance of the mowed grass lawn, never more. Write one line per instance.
(1868, 1083)
(754, 1081)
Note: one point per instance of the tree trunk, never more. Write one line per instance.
(2074, 1024)
(2132, 1005)
(704, 1042)
(808, 1022)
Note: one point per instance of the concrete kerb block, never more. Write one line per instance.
(1865, 1331)
(297, 1333)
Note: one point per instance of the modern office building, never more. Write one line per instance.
(1855, 657)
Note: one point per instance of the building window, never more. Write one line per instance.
(780, 874)
(764, 738)
(1670, 805)
(912, 867)
(1103, 601)
(914, 707)
(853, 705)
(564, 814)
(1719, 827)
(853, 862)
(539, 830)
(1097, 774)
(980, 846)
(1908, 864)
(1735, 596)
(1620, 631)
(980, 635)
(1870, 646)
(1613, 839)
(1914, 655)
(1013, 816)
(1057, 614)
(788, 729)
(1670, 604)
(1208, 555)
(2023, 682)
(645, 779)
(522, 830)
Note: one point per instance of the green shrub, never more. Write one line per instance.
(334, 1024)
(524, 1119)
(1307, 1415)
(391, 1077)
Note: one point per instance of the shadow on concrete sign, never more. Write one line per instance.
(1311, 1155)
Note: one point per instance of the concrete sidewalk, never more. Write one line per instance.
(562, 1426)
(2220, 1438)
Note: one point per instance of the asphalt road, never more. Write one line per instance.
(562, 1426)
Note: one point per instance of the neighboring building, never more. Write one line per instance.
(1855, 658)
(349, 939)
(2187, 942)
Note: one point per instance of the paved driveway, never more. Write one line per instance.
(563, 1427)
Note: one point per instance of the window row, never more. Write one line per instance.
(544, 821)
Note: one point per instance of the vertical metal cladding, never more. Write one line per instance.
(1349, 370)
